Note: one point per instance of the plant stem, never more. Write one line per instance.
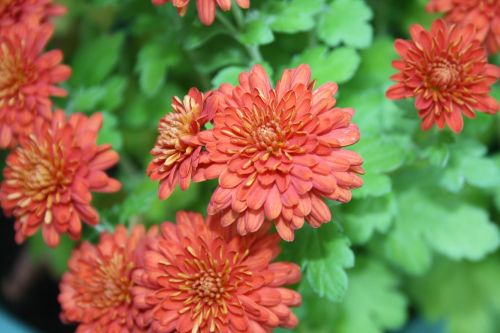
(253, 51)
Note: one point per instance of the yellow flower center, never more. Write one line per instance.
(12, 75)
(110, 286)
(444, 74)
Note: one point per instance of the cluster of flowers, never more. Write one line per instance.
(54, 161)
(446, 69)
(276, 152)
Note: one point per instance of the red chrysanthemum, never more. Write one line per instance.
(27, 80)
(206, 8)
(176, 153)
(95, 292)
(277, 152)
(49, 177)
(29, 12)
(447, 72)
(483, 14)
(199, 277)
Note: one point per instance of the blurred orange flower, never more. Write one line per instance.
(278, 152)
(29, 12)
(199, 277)
(28, 78)
(95, 292)
(447, 71)
(49, 177)
(483, 14)
(177, 152)
(206, 8)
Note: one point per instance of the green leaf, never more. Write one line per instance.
(256, 32)
(326, 262)
(436, 221)
(96, 59)
(153, 61)
(227, 75)
(296, 15)
(109, 133)
(338, 65)
(107, 96)
(374, 185)
(383, 153)
(373, 304)
(346, 21)
(364, 217)
(464, 295)
(114, 91)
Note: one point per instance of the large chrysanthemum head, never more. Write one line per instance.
(447, 72)
(201, 278)
(95, 292)
(278, 152)
(49, 177)
(29, 12)
(28, 79)
(176, 153)
(484, 15)
(206, 8)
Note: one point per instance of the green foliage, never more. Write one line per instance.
(465, 295)
(346, 22)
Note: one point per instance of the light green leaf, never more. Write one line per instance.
(95, 60)
(346, 21)
(152, 64)
(435, 221)
(363, 217)
(256, 32)
(296, 15)
(337, 66)
(374, 184)
(109, 133)
(372, 304)
(464, 295)
(227, 75)
(327, 261)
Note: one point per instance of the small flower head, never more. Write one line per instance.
(95, 292)
(199, 277)
(206, 8)
(447, 72)
(28, 79)
(484, 15)
(49, 177)
(176, 153)
(278, 152)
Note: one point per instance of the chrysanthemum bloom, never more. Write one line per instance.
(206, 8)
(447, 72)
(176, 153)
(49, 177)
(28, 79)
(29, 12)
(95, 292)
(199, 277)
(277, 152)
(483, 14)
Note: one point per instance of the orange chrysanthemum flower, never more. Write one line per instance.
(447, 72)
(177, 152)
(30, 12)
(206, 8)
(483, 14)
(277, 152)
(27, 80)
(49, 177)
(199, 277)
(95, 292)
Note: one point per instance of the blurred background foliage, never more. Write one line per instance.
(417, 248)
